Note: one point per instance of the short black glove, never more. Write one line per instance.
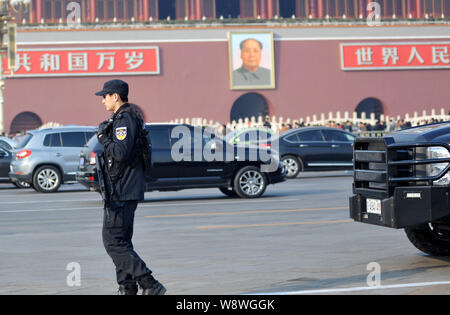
(104, 127)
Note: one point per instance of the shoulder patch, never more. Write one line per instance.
(121, 133)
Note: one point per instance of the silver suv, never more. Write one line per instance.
(47, 158)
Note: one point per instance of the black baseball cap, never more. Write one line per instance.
(115, 86)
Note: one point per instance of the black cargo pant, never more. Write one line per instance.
(118, 222)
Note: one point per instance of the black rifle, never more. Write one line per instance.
(103, 179)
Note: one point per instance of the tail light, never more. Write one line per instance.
(23, 154)
(265, 145)
(92, 158)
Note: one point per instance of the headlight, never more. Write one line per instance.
(435, 169)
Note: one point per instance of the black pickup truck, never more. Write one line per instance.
(208, 162)
(403, 181)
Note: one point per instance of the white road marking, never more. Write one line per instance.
(356, 289)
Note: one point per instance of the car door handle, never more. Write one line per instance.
(335, 145)
(303, 145)
(58, 154)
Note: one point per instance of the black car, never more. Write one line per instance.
(315, 149)
(234, 170)
(5, 161)
(402, 181)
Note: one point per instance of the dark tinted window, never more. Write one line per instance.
(312, 135)
(47, 140)
(73, 139)
(254, 135)
(331, 135)
(52, 140)
(160, 139)
(292, 138)
(89, 135)
(205, 134)
(198, 138)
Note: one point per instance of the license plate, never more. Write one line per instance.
(373, 206)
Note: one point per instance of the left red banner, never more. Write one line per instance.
(89, 61)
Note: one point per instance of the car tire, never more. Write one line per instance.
(292, 165)
(427, 239)
(22, 185)
(249, 182)
(47, 179)
(229, 191)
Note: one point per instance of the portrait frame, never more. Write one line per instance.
(240, 77)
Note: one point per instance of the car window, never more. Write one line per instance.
(52, 140)
(47, 140)
(89, 135)
(5, 153)
(160, 139)
(5, 145)
(331, 135)
(245, 136)
(24, 141)
(207, 136)
(253, 135)
(210, 140)
(292, 138)
(206, 140)
(73, 139)
(311, 135)
(350, 137)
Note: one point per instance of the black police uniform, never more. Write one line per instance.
(128, 188)
(127, 181)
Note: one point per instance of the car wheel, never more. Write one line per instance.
(229, 191)
(47, 179)
(292, 165)
(430, 239)
(22, 184)
(250, 182)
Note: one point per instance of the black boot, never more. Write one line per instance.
(127, 289)
(150, 286)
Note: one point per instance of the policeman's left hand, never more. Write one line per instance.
(104, 127)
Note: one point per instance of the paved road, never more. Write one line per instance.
(296, 239)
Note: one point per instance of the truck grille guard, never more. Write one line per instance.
(380, 165)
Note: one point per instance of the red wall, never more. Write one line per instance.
(194, 82)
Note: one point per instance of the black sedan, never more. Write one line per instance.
(5, 160)
(235, 171)
(315, 149)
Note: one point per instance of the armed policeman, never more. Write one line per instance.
(124, 181)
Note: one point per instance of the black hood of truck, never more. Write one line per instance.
(439, 132)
